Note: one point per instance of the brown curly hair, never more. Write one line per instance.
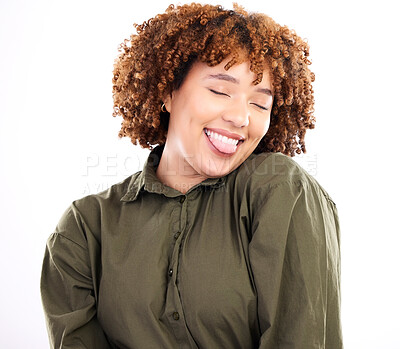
(155, 61)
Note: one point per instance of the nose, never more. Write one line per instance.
(238, 114)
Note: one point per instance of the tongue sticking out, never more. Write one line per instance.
(223, 147)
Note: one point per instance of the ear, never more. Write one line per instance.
(168, 102)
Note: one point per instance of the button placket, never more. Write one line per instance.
(173, 310)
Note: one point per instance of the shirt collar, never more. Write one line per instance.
(147, 180)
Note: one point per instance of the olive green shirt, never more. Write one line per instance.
(249, 260)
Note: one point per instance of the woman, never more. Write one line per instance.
(222, 241)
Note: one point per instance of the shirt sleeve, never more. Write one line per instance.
(295, 260)
(67, 288)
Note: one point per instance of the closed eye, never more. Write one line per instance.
(224, 94)
(260, 106)
(218, 93)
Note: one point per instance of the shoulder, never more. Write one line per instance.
(108, 198)
(87, 214)
(279, 193)
(262, 174)
(270, 169)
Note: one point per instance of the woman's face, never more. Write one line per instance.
(217, 119)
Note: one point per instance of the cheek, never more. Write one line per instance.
(260, 127)
(266, 124)
(196, 108)
(205, 109)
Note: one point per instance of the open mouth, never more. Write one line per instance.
(223, 144)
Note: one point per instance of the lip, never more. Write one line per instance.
(226, 133)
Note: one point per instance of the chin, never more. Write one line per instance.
(215, 167)
(217, 172)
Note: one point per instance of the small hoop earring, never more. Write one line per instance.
(163, 108)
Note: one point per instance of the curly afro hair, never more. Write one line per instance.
(155, 61)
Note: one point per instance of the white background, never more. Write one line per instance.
(59, 141)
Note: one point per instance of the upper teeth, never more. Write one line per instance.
(221, 138)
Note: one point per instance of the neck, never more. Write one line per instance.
(176, 172)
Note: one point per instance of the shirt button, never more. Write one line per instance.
(170, 272)
(176, 236)
(182, 199)
(175, 315)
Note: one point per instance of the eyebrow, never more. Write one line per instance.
(230, 78)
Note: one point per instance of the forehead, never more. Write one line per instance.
(239, 73)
